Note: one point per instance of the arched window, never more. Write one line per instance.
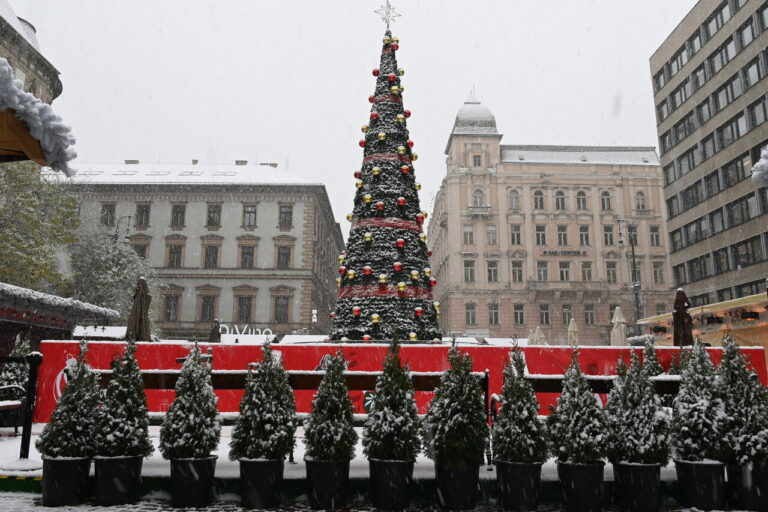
(605, 201)
(581, 200)
(538, 200)
(514, 200)
(640, 201)
(478, 198)
(560, 200)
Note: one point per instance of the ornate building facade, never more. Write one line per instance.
(527, 236)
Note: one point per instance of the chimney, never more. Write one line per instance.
(131, 162)
(241, 162)
(194, 161)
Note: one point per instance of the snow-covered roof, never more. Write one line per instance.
(19, 25)
(55, 137)
(474, 119)
(585, 155)
(190, 174)
(116, 332)
(70, 307)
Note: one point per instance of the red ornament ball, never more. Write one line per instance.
(376, 72)
(400, 201)
(419, 218)
(380, 205)
(429, 253)
(374, 115)
(419, 312)
(333, 315)
(362, 143)
(342, 270)
(433, 282)
(395, 47)
(371, 99)
(366, 337)
(405, 169)
(407, 113)
(344, 253)
(397, 266)
(367, 270)
(356, 310)
(409, 143)
(358, 174)
(391, 77)
(400, 243)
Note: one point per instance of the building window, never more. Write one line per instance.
(748, 252)
(718, 19)
(244, 308)
(476, 160)
(207, 308)
(249, 216)
(565, 270)
(724, 294)
(732, 130)
(282, 309)
(542, 270)
(517, 271)
(108, 214)
(681, 93)
(493, 314)
(470, 317)
(661, 308)
(562, 235)
(721, 261)
(541, 235)
(284, 256)
(703, 111)
(469, 271)
(247, 253)
(589, 314)
(610, 272)
(519, 314)
(763, 15)
(658, 272)
(699, 76)
(177, 215)
(544, 314)
(746, 33)
(655, 236)
(142, 215)
(581, 200)
(722, 55)
(213, 217)
(567, 314)
(608, 236)
(493, 271)
(733, 172)
(586, 271)
(490, 234)
(515, 235)
(285, 218)
(478, 198)
(171, 308)
(469, 235)
(175, 252)
(140, 249)
(560, 200)
(538, 200)
(757, 113)
(677, 61)
(640, 201)
(211, 259)
(514, 200)
(605, 201)
(584, 236)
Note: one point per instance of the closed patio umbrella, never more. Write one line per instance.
(619, 331)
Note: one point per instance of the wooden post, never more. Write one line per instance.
(33, 360)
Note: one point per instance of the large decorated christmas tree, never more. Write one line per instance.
(385, 283)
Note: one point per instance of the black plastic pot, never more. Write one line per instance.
(390, 483)
(65, 481)
(748, 486)
(192, 481)
(261, 481)
(518, 485)
(327, 483)
(581, 486)
(118, 480)
(457, 488)
(637, 486)
(701, 484)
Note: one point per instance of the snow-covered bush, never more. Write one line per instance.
(651, 363)
(328, 431)
(745, 425)
(638, 425)
(391, 431)
(16, 374)
(698, 408)
(518, 434)
(455, 428)
(577, 425)
(267, 421)
(71, 429)
(191, 426)
(122, 427)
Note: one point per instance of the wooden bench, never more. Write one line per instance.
(27, 405)
(12, 400)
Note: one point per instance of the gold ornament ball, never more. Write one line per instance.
(359, 183)
(425, 214)
(364, 128)
(338, 282)
(412, 336)
(395, 39)
(415, 274)
(400, 118)
(382, 278)
(414, 156)
(402, 89)
(386, 40)
(395, 89)
(375, 318)
(376, 171)
(423, 237)
(401, 71)
(368, 237)
(401, 150)
(382, 136)
(350, 217)
(341, 258)
(351, 274)
(428, 272)
(437, 305)
(417, 186)
(401, 286)
(367, 198)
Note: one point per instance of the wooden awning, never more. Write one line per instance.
(16, 143)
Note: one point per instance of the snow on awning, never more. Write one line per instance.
(29, 129)
(69, 307)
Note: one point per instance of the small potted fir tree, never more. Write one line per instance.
(330, 439)
(519, 439)
(638, 438)
(391, 435)
(66, 442)
(745, 434)
(696, 432)
(190, 432)
(577, 430)
(122, 434)
(264, 432)
(455, 433)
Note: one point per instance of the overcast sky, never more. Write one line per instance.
(288, 81)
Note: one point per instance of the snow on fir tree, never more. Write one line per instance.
(191, 427)
(455, 427)
(651, 363)
(122, 427)
(518, 434)
(328, 431)
(577, 425)
(267, 422)
(638, 424)
(391, 431)
(697, 412)
(385, 283)
(745, 402)
(71, 429)
(16, 374)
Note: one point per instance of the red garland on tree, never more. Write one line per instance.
(386, 207)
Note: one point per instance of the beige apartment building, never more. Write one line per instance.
(710, 95)
(247, 245)
(527, 236)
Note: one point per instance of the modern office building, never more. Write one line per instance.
(710, 94)
(527, 236)
(245, 244)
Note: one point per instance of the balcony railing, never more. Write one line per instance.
(567, 285)
(483, 211)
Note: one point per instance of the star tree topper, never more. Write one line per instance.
(387, 13)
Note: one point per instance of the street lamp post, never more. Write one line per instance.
(632, 273)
